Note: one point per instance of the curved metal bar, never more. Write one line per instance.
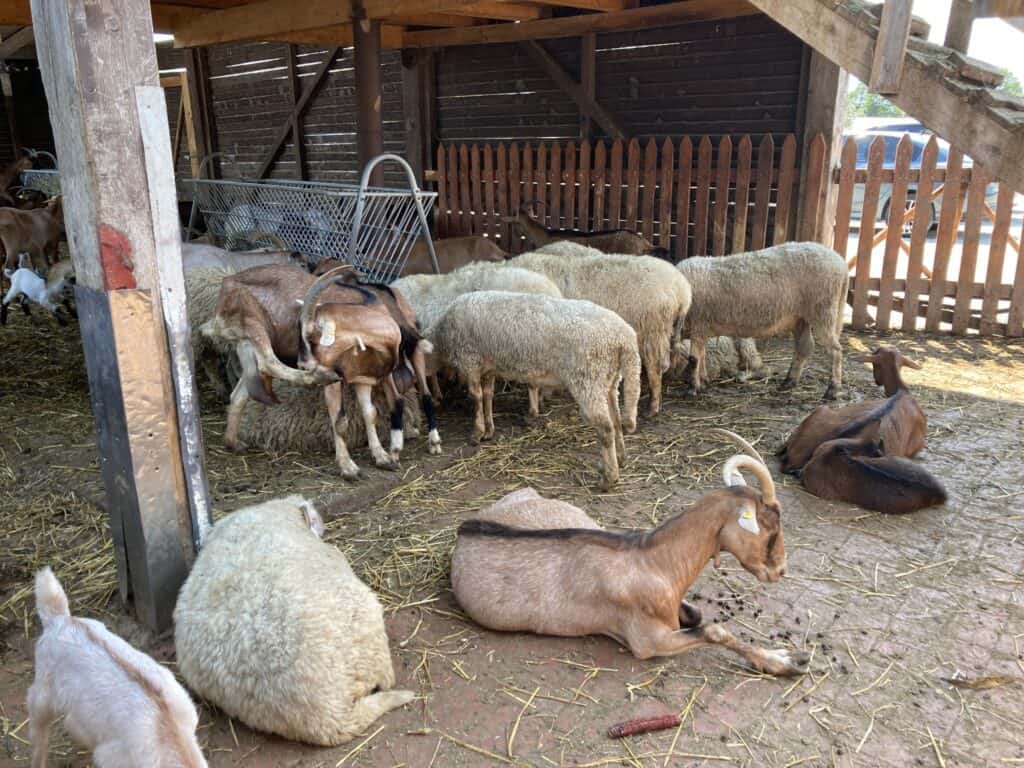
(414, 190)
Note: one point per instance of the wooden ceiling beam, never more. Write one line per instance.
(281, 19)
(490, 9)
(339, 35)
(593, 5)
(571, 26)
(15, 42)
(435, 20)
(166, 16)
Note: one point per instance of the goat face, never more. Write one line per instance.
(887, 360)
(753, 535)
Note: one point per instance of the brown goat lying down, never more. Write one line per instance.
(897, 421)
(530, 564)
(858, 471)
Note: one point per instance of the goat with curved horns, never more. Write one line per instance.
(897, 421)
(616, 241)
(532, 564)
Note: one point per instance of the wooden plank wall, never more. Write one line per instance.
(922, 266)
(716, 78)
(680, 193)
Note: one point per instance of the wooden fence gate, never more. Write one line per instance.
(911, 258)
(686, 195)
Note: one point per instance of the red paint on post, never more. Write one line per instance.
(116, 259)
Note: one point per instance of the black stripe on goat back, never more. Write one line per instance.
(854, 427)
(609, 539)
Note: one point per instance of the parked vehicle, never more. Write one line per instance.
(918, 142)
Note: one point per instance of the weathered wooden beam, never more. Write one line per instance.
(572, 26)
(15, 42)
(824, 113)
(500, 10)
(197, 72)
(341, 36)
(435, 20)
(98, 60)
(1003, 9)
(300, 107)
(7, 88)
(188, 117)
(165, 16)
(418, 86)
(298, 137)
(890, 47)
(593, 5)
(572, 89)
(588, 78)
(924, 93)
(958, 30)
(369, 96)
(274, 19)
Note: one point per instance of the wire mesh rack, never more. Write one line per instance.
(373, 228)
(44, 180)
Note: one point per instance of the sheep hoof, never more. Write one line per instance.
(396, 456)
(235, 446)
(830, 392)
(434, 449)
(351, 474)
(787, 384)
(387, 463)
(784, 663)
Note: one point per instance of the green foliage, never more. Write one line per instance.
(862, 103)
(1011, 84)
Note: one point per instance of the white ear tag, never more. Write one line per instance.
(326, 333)
(748, 521)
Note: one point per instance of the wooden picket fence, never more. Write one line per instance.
(916, 276)
(684, 195)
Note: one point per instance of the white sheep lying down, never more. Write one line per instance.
(116, 701)
(544, 342)
(273, 627)
(795, 287)
(646, 292)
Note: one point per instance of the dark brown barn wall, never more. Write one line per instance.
(724, 77)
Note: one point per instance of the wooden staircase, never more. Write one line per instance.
(949, 93)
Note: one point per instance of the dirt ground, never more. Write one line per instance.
(890, 608)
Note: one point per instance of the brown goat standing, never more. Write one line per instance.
(37, 233)
(897, 421)
(538, 565)
(614, 241)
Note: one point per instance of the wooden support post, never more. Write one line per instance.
(958, 31)
(189, 119)
(98, 60)
(298, 137)
(8, 93)
(197, 70)
(369, 98)
(588, 79)
(825, 112)
(418, 108)
(890, 47)
(572, 89)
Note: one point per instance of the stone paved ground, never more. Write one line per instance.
(890, 608)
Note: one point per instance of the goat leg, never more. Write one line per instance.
(364, 395)
(334, 398)
(25, 306)
(780, 662)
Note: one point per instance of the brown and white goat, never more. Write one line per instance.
(9, 177)
(615, 241)
(37, 233)
(280, 316)
(897, 421)
(530, 564)
(858, 471)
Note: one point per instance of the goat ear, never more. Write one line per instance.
(748, 520)
(327, 328)
(313, 519)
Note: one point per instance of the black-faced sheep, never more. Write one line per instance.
(274, 628)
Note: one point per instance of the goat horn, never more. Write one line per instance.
(734, 438)
(730, 472)
(44, 153)
(328, 278)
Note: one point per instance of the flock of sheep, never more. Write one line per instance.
(272, 625)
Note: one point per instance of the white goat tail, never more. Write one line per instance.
(51, 602)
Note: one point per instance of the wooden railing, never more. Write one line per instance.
(909, 270)
(686, 195)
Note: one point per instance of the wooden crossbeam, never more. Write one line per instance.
(502, 11)
(165, 16)
(280, 19)
(571, 26)
(435, 20)
(15, 42)
(924, 93)
(593, 5)
(573, 90)
(890, 47)
(338, 35)
(300, 108)
(1003, 9)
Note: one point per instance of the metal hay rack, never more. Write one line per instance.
(373, 228)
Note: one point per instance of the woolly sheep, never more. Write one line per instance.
(644, 291)
(300, 423)
(544, 342)
(724, 358)
(202, 291)
(273, 627)
(798, 287)
(116, 701)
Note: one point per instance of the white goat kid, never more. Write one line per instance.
(117, 702)
(26, 283)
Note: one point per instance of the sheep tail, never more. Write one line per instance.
(629, 369)
(366, 710)
(51, 602)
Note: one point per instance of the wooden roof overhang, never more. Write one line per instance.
(407, 23)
